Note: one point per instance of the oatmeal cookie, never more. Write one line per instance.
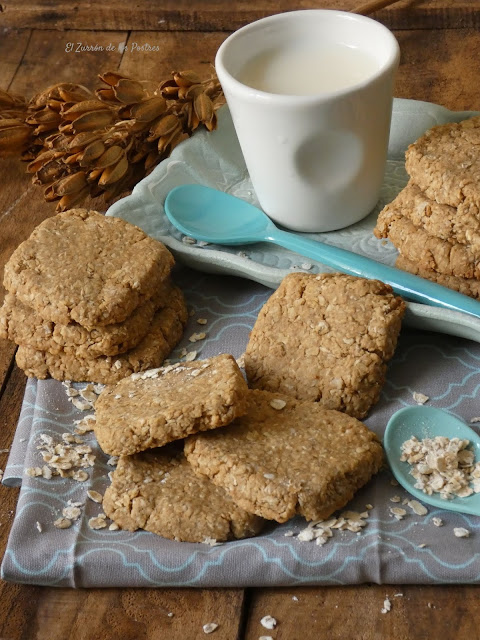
(456, 224)
(287, 457)
(325, 338)
(160, 493)
(24, 326)
(153, 408)
(165, 332)
(81, 266)
(467, 286)
(445, 162)
(429, 252)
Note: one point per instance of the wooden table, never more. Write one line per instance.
(440, 44)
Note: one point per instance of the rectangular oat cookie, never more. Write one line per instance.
(165, 332)
(153, 408)
(287, 457)
(24, 326)
(325, 338)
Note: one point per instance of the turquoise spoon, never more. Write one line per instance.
(214, 216)
(428, 422)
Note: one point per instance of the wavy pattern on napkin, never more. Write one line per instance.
(386, 550)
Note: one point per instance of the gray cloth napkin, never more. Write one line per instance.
(386, 550)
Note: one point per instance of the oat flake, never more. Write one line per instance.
(268, 622)
(420, 398)
(94, 495)
(387, 605)
(210, 627)
(461, 532)
(278, 404)
(62, 523)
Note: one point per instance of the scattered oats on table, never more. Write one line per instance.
(387, 605)
(268, 622)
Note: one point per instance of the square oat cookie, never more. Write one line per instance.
(156, 407)
(325, 338)
(81, 266)
(159, 492)
(286, 457)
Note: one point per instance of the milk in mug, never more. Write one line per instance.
(308, 69)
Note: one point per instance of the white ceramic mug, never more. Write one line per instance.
(316, 161)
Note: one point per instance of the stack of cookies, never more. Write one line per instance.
(435, 220)
(203, 458)
(89, 298)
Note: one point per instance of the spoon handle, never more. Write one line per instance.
(403, 283)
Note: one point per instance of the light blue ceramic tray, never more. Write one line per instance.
(214, 159)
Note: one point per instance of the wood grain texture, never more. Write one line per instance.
(216, 15)
(13, 44)
(196, 52)
(441, 66)
(340, 613)
(119, 614)
(64, 65)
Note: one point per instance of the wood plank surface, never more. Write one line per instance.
(341, 613)
(118, 614)
(217, 15)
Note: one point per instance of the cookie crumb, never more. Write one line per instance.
(461, 532)
(438, 522)
(38, 526)
(202, 321)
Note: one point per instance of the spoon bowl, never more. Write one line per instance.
(214, 216)
(428, 422)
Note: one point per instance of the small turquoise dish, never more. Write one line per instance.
(428, 422)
